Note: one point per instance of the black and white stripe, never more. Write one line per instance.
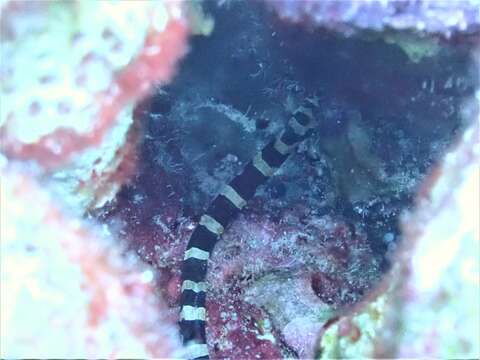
(218, 216)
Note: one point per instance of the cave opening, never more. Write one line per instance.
(386, 114)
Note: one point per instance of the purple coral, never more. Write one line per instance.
(432, 16)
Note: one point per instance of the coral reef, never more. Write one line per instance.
(418, 27)
(75, 70)
(427, 304)
(277, 271)
(437, 279)
(71, 73)
(319, 264)
(67, 289)
(302, 269)
(429, 16)
(354, 335)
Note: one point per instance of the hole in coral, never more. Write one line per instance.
(373, 145)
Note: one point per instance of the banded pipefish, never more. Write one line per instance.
(224, 208)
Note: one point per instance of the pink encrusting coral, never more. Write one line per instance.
(240, 330)
(437, 279)
(85, 78)
(71, 74)
(66, 288)
(302, 269)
